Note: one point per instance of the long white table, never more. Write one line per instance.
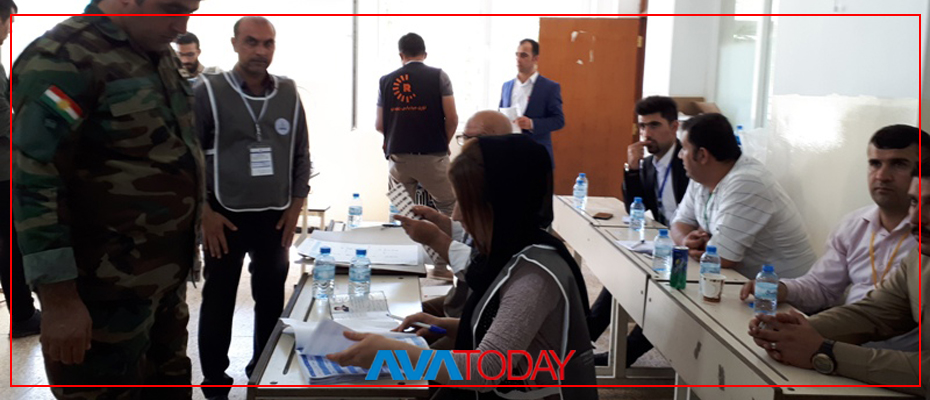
(620, 271)
(706, 343)
(278, 366)
(645, 261)
(609, 205)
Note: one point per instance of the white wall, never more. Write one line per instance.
(681, 51)
(660, 33)
(694, 51)
(827, 55)
(836, 80)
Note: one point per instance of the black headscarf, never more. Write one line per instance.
(518, 187)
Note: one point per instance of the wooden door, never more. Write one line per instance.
(598, 62)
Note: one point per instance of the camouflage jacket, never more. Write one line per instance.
(108, 172)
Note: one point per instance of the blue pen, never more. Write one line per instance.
(432, 328)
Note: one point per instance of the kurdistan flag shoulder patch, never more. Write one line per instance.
(62, 104)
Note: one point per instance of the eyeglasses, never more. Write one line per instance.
(462, 138)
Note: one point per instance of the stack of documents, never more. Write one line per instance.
(318, 370)
(377, 253)
(314, 340)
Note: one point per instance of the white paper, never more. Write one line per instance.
(512, 114)
(326, 336)
(430, 292)
(638, 246)
(363, 314)
(377, 253)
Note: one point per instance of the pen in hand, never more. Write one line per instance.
(432, 328)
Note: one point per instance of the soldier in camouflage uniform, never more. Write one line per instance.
(108, 188)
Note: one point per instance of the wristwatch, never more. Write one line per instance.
(626, 167)
(823, 360)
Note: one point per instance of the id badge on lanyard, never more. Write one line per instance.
(260, 155)
(261, 160)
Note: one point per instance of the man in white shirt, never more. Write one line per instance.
(735, 204)
(870, 243)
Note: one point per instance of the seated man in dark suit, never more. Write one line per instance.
(661, 181)
(538, 101)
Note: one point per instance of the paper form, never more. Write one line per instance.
(377, 253)
(512, 114)
(646, 247)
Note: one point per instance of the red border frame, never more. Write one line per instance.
(920, 206)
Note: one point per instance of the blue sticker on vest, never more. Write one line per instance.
(282, 126)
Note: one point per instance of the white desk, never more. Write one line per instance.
(602, 204)
(616, 268)
(621, 274)
(278, 366)
(708, 344)
(644, 261)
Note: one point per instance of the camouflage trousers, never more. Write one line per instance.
(135, 342)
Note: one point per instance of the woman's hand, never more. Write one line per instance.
(451, 325)
(362, 354)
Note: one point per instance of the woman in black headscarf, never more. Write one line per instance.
(527, 293)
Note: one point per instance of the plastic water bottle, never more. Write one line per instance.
(580, 191)
(392, 212)
(360, 274)
(739, 135)
(710, 261)
(324, 275)
(638, 217)
(355, 212)
(766, 291)
(662, 252)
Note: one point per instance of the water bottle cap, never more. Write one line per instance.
(663, 232)
(582, 175)
(324, 250)
(712, 249)
(768, 268)
(354, 195)
(637, 199)
(361, 252)
(739, 127)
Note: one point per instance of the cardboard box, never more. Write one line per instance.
(692, 106)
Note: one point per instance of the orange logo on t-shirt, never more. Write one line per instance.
(403, 91)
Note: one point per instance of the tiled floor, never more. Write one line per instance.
(28, 368)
